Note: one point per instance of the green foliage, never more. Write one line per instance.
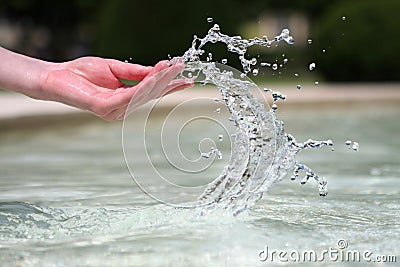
(62, 21)
(149, 30)
(364, 46)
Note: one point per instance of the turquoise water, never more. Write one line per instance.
(67, 199)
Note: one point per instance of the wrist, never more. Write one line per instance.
(43, 89)
(23, 74)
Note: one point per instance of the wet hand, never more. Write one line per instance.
(94, 84)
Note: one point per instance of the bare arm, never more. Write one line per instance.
(21, 74)
(89, 83)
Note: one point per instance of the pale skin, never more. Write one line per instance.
(90, 83)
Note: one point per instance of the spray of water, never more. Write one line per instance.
(263, 153)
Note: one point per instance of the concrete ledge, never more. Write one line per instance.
(16, 105)
(21, 111)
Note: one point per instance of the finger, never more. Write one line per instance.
(177, 85)
(163, 64)
(166, 76)
(159, 68)
(160, 81)
(135, 94)
(119, 113)
(149, 89)
(128, 71)
(174, 86)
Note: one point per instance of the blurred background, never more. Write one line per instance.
(348, 40)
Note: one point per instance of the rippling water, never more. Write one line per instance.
(66, 198)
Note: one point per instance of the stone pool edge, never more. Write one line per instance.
(18, 111)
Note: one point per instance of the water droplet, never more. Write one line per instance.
(213, 151)
(243, 105)
(355, 146)
(265, 64)
(216, 100)
(311, 66)
(316, 83)
(304, 180)
(220, 137)
(296, 74)
(210, 19)
(274, 66)
(274, 107)
(309, 41)
(126, 61)
(290, 40)
(255, 72)
(205, 155)
(218, 110)
(215, 28)
(298, 87)
(323, 50)
(210, 56)
(322, 187)
(344, 18)
(190, 75)
(224, 61)
(285, 61)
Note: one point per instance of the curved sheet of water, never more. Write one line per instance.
(262, 152)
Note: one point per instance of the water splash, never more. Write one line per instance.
(213, 151)
(352, 144)
(262, 152)
(235, 44)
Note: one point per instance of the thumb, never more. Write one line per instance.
(128, 71)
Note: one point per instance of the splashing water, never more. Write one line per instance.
(262, 152)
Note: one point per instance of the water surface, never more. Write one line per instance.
(66, 197)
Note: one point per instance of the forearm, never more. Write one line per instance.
(22, 74)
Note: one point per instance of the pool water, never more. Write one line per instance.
(67, 198)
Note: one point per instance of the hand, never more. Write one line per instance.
(94, 84)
